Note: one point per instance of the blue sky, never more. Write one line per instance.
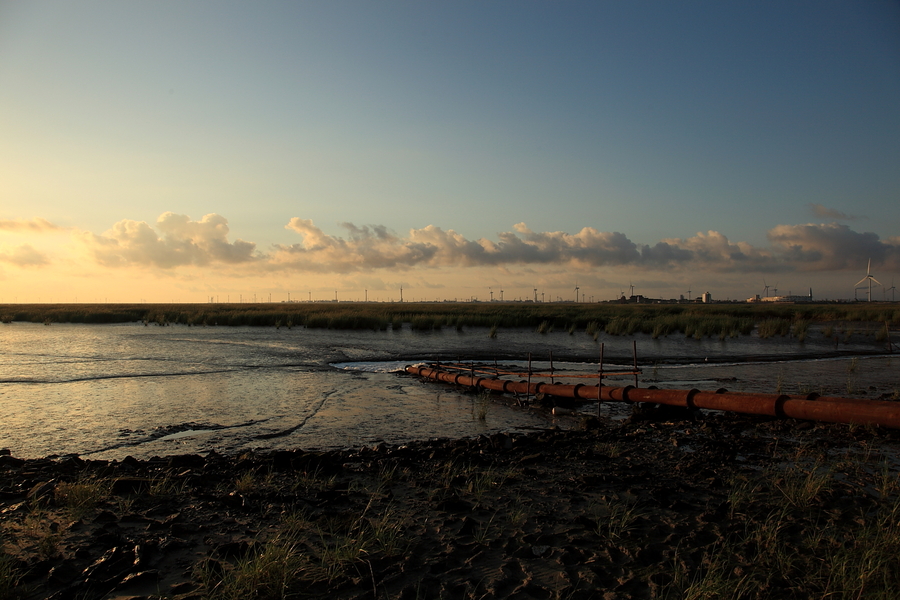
(337, 145)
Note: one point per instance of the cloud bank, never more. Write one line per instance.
(178, 241)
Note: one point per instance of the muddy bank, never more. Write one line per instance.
(663, 505)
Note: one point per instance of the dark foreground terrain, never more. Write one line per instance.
(662, 506)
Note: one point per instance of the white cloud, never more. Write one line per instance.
(181, 242)
(177, 241)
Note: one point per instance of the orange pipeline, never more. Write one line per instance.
(811, 407)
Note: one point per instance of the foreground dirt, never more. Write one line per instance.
(655, 507)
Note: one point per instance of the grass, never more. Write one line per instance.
(615, 518)
(305, 550)
(81, 496)
(313, 480)
(694, 321)
(268, 571)
(166, 486)
(800, 486)
(481, 404)
(610, 449)
(42, 530)
(9, 577)
(787, 538)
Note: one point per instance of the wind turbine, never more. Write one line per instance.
(576, 292)
(891, 289)
(870, 278)
(535, 295)
(765, 285)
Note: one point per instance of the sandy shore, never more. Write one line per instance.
(665, 505)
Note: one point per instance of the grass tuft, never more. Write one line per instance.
(81, 496)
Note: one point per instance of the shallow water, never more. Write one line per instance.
(108, 391)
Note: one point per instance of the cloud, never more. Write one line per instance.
(712, 251)
(375, 247)
(24, 256)
(177, 241)
(824, 212)
(808, 247)
(827, 247)
(36, 225)
(180, 242)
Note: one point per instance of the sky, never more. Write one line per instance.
(222, 151)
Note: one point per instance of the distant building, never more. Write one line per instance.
(790, 298)
(706, 298)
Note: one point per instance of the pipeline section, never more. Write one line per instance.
(811, 407)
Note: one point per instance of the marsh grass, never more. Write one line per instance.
(773, 327)
(82, 496)
(694, 321)
(269, 570)
(470, 478)
(166, 485)
(517, 514)
(484, 530)
(480, 405)
(306, 550)
(42, 530)
(610, 449)
(801, 486)
(9, 576)
(615, 518)
(784, 535)
(344, 542)
(313, 480)
(801, 329)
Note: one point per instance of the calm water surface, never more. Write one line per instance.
(108, 391)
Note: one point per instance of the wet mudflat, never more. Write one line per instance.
(660, 505)
(111, 391)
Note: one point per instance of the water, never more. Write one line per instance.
(108, 391)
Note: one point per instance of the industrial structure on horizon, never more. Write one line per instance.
(789, 298)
